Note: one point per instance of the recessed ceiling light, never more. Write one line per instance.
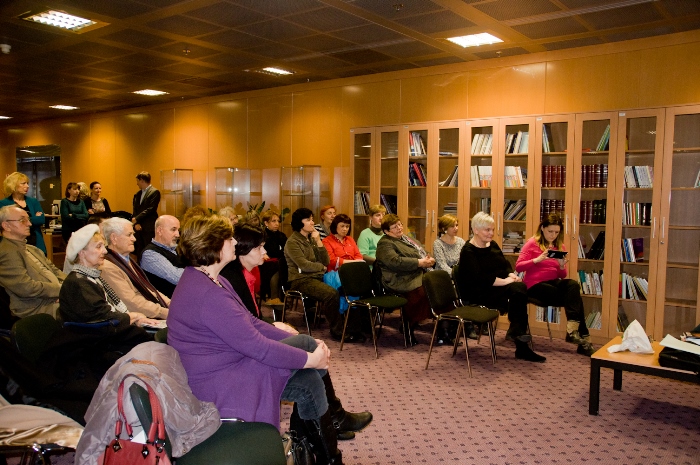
(149, 92)
(278, 71)
(63, 107)
(62, 20)
(474, 40)
(5, 117)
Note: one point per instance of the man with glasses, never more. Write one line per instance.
(30, 279)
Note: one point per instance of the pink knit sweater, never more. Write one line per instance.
(535, 273)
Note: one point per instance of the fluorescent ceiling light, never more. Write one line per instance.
(63, 107)
(150, 92)
(61, 19)
(279, 71)
(5, 117)
(474, 40)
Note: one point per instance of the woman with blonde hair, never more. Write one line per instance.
(448, 245)
(16, 187)
(369, 237)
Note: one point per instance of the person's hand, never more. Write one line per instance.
(319, 358)
(426, 262)
(515, 278)
(137, 227)
(39, 213)
(285, 327)
(133, 220)
(563, 262)
(91, 211)
(542, 257)
(136, 317)
(316, 236)
(149, 322)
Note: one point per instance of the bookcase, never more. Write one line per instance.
(362, 143)
(627, 184)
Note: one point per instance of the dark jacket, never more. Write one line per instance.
(399, 264)
(146, 212)
(233, 272)
(304, 259)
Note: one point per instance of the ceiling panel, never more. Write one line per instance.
(371, 33)
(277, 30)
(621, 17)
(234, 39)
(320, 43)
(438, 21)
(280, 8)
(226, 14)
(551, 28)
(326, 19)
(506, 52)
(182, 25)
(136, 38)
(360, 57)
(408, 49)
(395, 10)
(573, 43)
(187, 50)
(504, 10)
(121, 9)
(681, 7)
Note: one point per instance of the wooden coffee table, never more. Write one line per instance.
(629, 361)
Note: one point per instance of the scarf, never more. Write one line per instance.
(112, 298)
(378, 231)
(137, 277)
(416, 245)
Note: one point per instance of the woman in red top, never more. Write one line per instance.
(341, 247)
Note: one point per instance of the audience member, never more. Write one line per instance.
(546, 281)
(32, 282)
(369, 237)
(196, 210)
(84, 191)
(486, 278)
(307, 260)
(125, 276)
(230, 213)
(252, 218)
(403, 261)
(95, 204)
(327, 214)
(275, 241)
(74, 215)
(16, 186)
(340, 245)
(226, 350)
(159, 261)
(145, 206)
(448, 245)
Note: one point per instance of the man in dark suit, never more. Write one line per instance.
(145, 203)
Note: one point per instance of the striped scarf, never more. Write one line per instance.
(112, 298)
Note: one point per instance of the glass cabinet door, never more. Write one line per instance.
(362, 175)
(679, 234)
(389, 169)
(593, 217)
(418, 216)
(483, 142)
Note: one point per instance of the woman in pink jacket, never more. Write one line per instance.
(545, 278)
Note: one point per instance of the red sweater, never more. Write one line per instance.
(535, 273)
(338, 251)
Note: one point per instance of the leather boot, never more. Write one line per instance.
(296, 424)
(345, 423)
(523, 352)
(572, 334)
(324, 440)
(585, 348)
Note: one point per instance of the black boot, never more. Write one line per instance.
(345, 423)
(324, 440)
(296, 424)
(523, 352)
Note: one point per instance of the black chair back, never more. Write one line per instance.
(356, 279)
(31, 334)
(440, 291)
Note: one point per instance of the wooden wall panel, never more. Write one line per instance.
(316, 127)
(670, 75)
(372, 104)
(270, 131)
(513, 90)
(228, 139)
(7, 163)
(597, 83)
(434, 98)
(76, 162)
(158, 146)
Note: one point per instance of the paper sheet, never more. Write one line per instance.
(673, 343)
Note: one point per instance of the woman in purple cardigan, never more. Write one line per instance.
(242, 364)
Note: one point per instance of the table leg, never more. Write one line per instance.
(617, 380)
(594, 390)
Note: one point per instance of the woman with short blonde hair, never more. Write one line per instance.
(16, 187)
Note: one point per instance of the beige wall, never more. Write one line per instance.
(309, 124)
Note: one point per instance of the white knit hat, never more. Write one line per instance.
(79, 240)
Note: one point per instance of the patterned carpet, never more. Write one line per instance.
(512, 413)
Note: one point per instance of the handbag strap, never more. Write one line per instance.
(157, 423)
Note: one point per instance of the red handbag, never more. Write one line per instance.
(125, 451)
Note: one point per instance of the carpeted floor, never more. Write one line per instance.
(512, 413)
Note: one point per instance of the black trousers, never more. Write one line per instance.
(512, 299)
(562, 293)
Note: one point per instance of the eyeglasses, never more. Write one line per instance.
(396, 226)
(22, 220)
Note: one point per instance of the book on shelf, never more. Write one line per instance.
(482, 144)
(549, 206)
(622, 321)
(553, 176)
(487, 148)
(546, 148)
(636, 214)
(451, 179)
(697, 180)
(594, 175)
(633, 287)
(639, 177)
(416, 147)
(450, 208)
(361, 203)
(593, 211)
(416, 174)
(513, 242)
(632, 250)
(591, 282)
(604, 142)
(594, 320)
(389, 202)
(597, 248)
(581, 247)
(485, 204)
(550, 314)
(514, 210)
(517, 143)
(481, 176)
(515, 176)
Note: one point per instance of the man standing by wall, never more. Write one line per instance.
(145, 204)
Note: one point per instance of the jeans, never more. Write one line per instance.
(562, 293)
(305, 387)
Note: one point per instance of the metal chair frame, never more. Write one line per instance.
(291, 300)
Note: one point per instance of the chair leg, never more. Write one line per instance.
(549, 330)
(345, 325)
(493, 342)
(460, 331)
(432, 340)
(374, 337)
(406, 331)
(466, 349)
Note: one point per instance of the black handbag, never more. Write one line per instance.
(297, 449)
(680, 360)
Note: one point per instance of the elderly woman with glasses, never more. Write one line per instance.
(403, 261)
(486, 278)
(235, 360)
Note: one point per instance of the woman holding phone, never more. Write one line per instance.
(543, 260)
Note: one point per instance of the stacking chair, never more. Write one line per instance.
(379, 290)
(356, 279)
(32, 333)
(292, 299)
(234, 443)
(442, 296)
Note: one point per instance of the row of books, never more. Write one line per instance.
(482, 144)
(594, 175)
(697, 180)
(632, 250)
(549, 206)
(416, 174)
(451, 180)
(591, 282)
(633, 287)
(517, 143)
(551, 314)
(484, 204)
(597, 250)
(450, 208)
(547, 146)
(514, 210)
(416, 147)
(604, 142)
(361, 203)
(515, 176)
(513, 242)
(593, 211)
(636, 214)
(389, 202)
(594, 320)
(639, 176)
(553, 176)
(481, 176)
